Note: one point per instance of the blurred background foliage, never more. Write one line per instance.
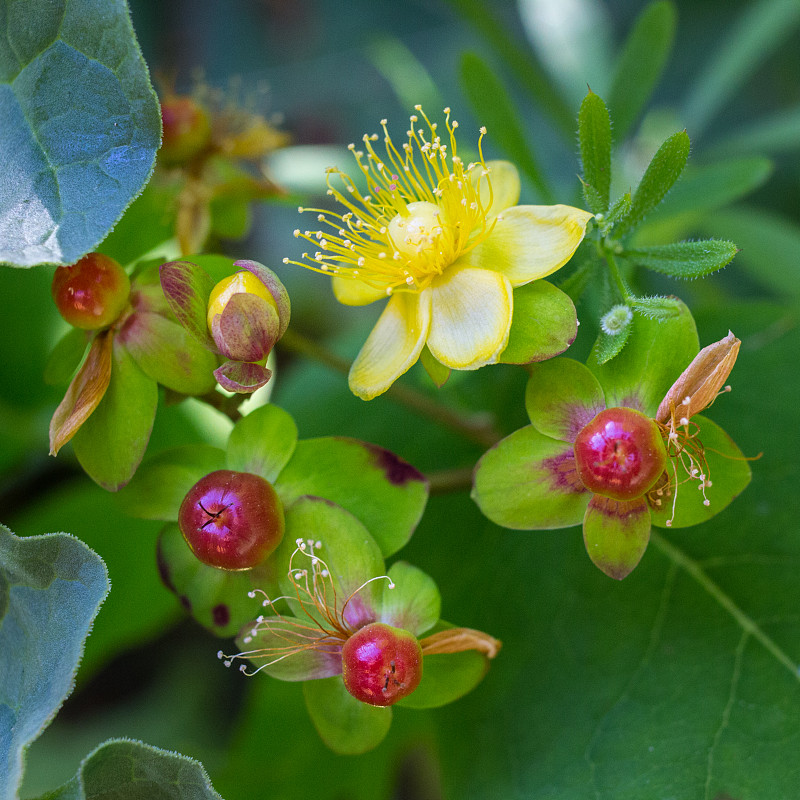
(601, 688)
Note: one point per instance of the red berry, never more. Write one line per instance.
(381, 664)
(620, 454)
(232, 520)
(91, 293)
(187, 130)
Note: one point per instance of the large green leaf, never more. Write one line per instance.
(50, 589)
(131, 770)
(81, 125)
(112, 442)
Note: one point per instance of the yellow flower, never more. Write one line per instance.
(444, 241)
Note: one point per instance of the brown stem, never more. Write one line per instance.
(450, 480)
(229, 406)
(456, 640)
(476, 427)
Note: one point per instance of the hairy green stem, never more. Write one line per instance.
(477, 427)
(617, 276)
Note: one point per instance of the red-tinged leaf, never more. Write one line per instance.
(275, 287)
(247, 328)
(187, 288)
(83, 394)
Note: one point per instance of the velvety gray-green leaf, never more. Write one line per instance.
(684, 259)
(129, 770)
(594, 139)
(50, 590)
(492, 105)
(662, 172)
(81, 125)
(641, 64)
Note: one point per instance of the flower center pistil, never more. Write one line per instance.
(423, 210)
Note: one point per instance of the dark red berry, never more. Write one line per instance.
(187, 130)
(381, 664)
(92, 292)
(232, 520)
(620, 454)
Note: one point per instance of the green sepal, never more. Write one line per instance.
(413, 602)
(729, 472)
(493, 106)
(544, 324)
(159, 486)
(446, 676)
(594, 139)
(641, 63)
(616, 534)
(113, 440)
(528, 481)
(346, 725)
(385, 492)
(662, 172)
(169, 354)
(684, 259)
(129, 769)
(437, 371)
(51, 588)
(66, 357)
(561, 397)
(608, 346)
(658, 307)
(81, 126)
(351, 556)
(262, 442)
(655, 355)
(216, 598)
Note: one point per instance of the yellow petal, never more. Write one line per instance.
(505, 184)
(393, 346)
(470, 317)
(352, 292)
(530, 242)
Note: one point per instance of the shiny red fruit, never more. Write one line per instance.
(381, 664)
(620, 454)
(91, 293)
(187, 130)
(232, 520)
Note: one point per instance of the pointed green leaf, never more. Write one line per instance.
(773, 133)
(166, 352)
(620, 209)
(437, 371)
(641, 63)
(66, 357)
(112, 442)
(729, 472)
(544, 324)
(129, 770)
(494, 108)
(262, 442)
(157, 489)
(346, 725)
(594, 139)
(50, 590)
(655, 355)
(684, 259)
(217, 598)
(561, 397)
(616, 534)
(757, 32)
(609, 345)
(385, 492)
(528, 481)
(662, 172)
(657, 307)
(414, 603)
(81, 125)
